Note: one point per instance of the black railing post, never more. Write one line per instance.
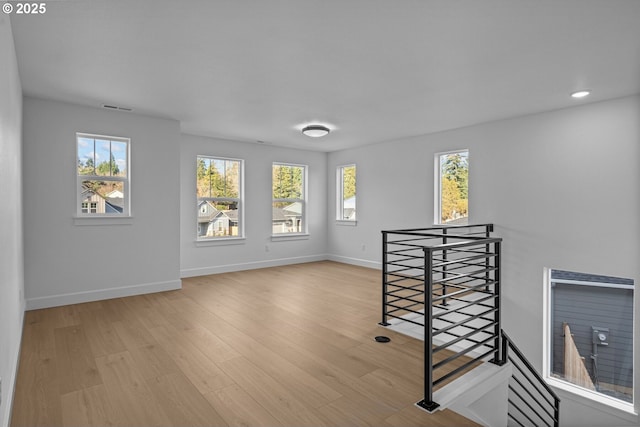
(444, 267)
(384, 280)
(496, 290)
(504, 350)
(428, 403)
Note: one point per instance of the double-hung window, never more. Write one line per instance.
(219, 190)
(346, 192)
(102, 176)
(289, 199)
(452, 187)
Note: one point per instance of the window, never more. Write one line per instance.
(452, 187)
(346, 191)
(590, 335)
(289, 199)
(219, 190)
(102, 175)
(89, 207)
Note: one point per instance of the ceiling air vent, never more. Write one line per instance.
(115, 107)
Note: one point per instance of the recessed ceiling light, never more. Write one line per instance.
(580, 94)
(315, 131)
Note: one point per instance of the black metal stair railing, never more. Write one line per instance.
(445, 281)
(531, 401)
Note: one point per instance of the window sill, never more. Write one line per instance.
(102, 220)
(226, 241)
(292, 236)
(587, 397)
(346, 222)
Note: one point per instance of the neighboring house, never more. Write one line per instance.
(206, 214)
(278, 221)
(589, 303)
(215, 223)
(115, 194)
(93, 203)
(287, 219)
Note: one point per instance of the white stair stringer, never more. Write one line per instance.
(480, 395)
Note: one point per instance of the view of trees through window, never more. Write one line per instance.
(347, 193)
(288, 186)
(102, 174)
(454, 187)
(218, 190)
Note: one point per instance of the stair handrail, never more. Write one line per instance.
(509, 345)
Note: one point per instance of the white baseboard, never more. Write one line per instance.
(355, 261)
(227, 268)
(101, 294)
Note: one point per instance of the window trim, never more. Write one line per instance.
(340, 219)
(80, 217)
(573, 391)
(437, 177)
(303, 201)
(216, 240)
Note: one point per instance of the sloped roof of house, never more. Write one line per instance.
(206, 216)
(231, 214)
(278, 215)
(294, 209)
(584, 277)
(116, 202)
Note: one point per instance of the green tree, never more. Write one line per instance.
(217, 178)
(456, 167)
(108, 168)
(203, 183)
(87, 168)
(228, 183)
(449, 200)
(287, 182)
(348, 182)
(454, 172)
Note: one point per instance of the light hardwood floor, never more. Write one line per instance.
(283, 346)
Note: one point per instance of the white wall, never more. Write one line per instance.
(197, 259)
(561, 187)
(68, 263)
(11, 260)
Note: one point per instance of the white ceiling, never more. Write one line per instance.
(373, 70)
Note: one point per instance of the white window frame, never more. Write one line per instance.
(437, 177)
(126, 180)
(340, 195)
(303, 202)
(588, 397)
(238, 200)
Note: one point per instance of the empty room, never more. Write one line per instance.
(320, 213)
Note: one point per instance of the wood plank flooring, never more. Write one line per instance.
(283, 346)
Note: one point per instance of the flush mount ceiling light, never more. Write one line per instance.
(315, 131)
(580, 94)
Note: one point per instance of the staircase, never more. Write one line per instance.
(442, 285)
